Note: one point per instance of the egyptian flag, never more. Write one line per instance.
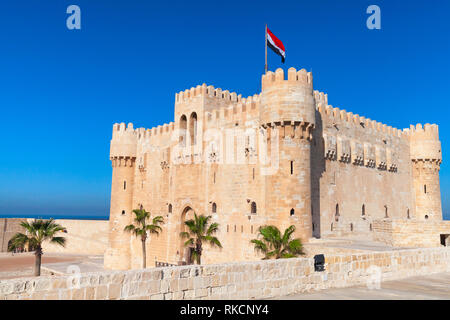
(276, 45)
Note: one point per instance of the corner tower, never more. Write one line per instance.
(426, 157)
(287, 113)
(123, 158)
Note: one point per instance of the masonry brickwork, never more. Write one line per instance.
(283, 157)
(239, 280)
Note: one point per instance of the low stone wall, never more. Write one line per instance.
(82, 237)
(243, 280)
(410, 233)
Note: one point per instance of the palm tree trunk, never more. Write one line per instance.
(37, 261)
(144, 254)
(199, 253)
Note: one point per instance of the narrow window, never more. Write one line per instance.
(228, 228)
(234, 228)
(124, 185)
(214, 207)
(336, 215)
(425, 188)
(292, 212)
(331, 227)
(292, 167)
(123, 212)
(193, 128)
(351, 227)
(407, 214)
(170, 208)
(183, 127)
(313, 227)
(253, 173)
(370, 227)
(251, 231)
(386, 215)
(363, 210)
(253, 208)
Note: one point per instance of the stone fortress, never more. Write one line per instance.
(282, 157)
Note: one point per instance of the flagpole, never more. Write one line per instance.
(265, 66)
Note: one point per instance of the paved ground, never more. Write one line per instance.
(432, 287)
(21, 264)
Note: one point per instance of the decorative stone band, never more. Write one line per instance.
(293, 129)
(123, 161)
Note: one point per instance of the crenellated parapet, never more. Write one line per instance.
(424, 142)
(207, 91)
(288, 99)
(123, 142)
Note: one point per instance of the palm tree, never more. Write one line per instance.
(141, 228)
(274, 245)
(37, 231)
(200, 230)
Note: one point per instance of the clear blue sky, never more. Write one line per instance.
(62, 90)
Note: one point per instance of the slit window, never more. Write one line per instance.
(124, 185)
(292, 212)
(292, 167)
(253, 208)
(214, 207)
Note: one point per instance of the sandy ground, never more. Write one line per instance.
(22, 264)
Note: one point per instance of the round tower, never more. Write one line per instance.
(426, 157)
(287, 113)
(123, 158)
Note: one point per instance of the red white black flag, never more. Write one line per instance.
(275, 44)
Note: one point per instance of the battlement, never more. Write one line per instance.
(301, 77)
(124, 141)
(207, 91)
(425, 144)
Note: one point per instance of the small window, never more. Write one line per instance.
(292, 212)
(363, 210)
(124, 185)
(351, 227)
(251, 231)
(170, 208)
(424, 188)
(407, 214)
(426, 217)
(253, 208)
(336, 215)
(386, 214)
(331, 227)
(292, 167)
(214, 207)
(370, 227)
(123, 212)
(228, 228)
(234, 228)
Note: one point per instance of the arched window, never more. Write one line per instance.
(363, 210)
(336, 215)
(193, 128)
(292, 212)
(170, 208)
(253, 208)
(183, 127)
(214, 207)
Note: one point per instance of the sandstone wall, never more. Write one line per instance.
(82, 237)
(411, 233)
(8, 228)
(244, 280)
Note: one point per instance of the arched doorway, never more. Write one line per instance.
(184, 252)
